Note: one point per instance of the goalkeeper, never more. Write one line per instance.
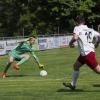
(21, 54)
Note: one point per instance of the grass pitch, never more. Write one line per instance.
(26, 84)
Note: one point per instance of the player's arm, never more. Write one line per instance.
(74, 38)
(97, 35)
(97, 44)
(97, 41)
(37, 60)
(19, 44)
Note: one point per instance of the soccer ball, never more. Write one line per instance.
(43, 73)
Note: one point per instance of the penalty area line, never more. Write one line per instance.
(35, 80)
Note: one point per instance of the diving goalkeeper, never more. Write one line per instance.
(21, 54)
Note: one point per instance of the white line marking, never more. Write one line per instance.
(34, 80)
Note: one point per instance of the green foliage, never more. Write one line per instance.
(45, 15)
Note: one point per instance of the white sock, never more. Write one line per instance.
(75, 75)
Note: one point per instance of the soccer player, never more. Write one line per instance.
(84, 37)
(21, 54)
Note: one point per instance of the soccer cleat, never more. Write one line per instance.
(16, 66)
(69, 85)
(3, 74)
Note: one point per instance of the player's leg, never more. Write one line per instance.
(97, 69)
(93, 64)
(75, 73)
(11, 59)
(23, 58)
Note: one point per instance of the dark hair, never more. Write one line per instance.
(80, 19)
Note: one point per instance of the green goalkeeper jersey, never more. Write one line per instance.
(23, 48)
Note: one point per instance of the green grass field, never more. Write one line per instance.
(26, 84)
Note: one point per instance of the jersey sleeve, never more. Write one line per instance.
(29, 48)
(76, 31)
(96, 33)
(18, 45)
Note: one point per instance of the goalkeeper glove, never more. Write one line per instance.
(41, 66)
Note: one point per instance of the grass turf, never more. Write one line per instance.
(26, 84)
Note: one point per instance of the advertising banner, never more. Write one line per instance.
(11, 44)
(63, 41)
(42, 42)
(2, 47)
(56, 42)
(50, 42)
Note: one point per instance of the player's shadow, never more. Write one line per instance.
(80, 90)
(68, 90)
(18, 75)
(96, 85)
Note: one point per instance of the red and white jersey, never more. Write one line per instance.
(85, 39)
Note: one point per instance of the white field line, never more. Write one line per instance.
(44, 79)
(34, 80)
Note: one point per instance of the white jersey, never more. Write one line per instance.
(85, 39)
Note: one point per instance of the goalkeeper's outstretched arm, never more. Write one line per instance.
(37, 61)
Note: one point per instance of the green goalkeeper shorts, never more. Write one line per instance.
(15, 55)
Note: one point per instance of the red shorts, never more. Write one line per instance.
(89, 59)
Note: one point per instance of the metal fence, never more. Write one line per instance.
(42, 43)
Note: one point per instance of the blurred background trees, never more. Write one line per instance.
(40, 17)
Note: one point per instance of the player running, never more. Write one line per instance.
(84, 37)
(21, 54)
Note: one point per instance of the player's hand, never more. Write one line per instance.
(41, 65)
(97, 44)
(71, 45)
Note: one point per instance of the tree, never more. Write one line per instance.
(45, 16)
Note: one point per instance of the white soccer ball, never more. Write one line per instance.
(43, 73)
